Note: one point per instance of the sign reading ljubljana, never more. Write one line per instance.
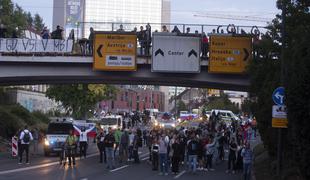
(175, 54)
(229, 54)
(115, 51)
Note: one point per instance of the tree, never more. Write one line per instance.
(80, 98)
(221, 102)
(181, 106)
(29, 19)
(14, 18)
(265, 77)
(38, 23)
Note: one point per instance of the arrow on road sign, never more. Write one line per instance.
(159, 51)
(99, 50)
(280, 97)
(192, 52)
(246, 54)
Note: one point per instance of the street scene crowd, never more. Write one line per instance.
(171, 150)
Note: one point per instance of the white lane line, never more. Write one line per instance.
(38, 166)
(179, 175)
(143, 155)
(122, 167)
(145, 158)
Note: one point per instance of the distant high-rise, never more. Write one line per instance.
(67, 13)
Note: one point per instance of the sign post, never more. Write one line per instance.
(175, 54)
(115, 51)
(229, 54)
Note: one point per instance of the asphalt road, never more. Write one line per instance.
(48, 168)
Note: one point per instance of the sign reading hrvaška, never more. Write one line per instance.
(229, 54)
(115, 51)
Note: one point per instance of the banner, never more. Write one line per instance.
(8, 45)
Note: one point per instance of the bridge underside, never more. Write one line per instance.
(25, 73)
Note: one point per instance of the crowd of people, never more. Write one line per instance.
(197, 149)
(200, 148)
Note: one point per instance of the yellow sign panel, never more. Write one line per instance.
(279, 122)
(115, 51)
(229, 54)
(213, 92)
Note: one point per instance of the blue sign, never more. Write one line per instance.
(278, 96)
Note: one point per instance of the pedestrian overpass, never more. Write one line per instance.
(28, 69)
(33, 61)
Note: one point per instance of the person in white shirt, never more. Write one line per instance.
(25, 137)
(83, 139)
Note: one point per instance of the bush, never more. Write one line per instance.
(9, 123)
(23, 114)
(40, 117)
(15, 117)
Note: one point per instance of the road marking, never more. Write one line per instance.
(84, 179)
(38, 166)
(122, 167)
(179, 175)
(145, 158)
(143, 155)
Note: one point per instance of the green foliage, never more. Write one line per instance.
(80, 98)
(181, 106)
(265, 77)
(15, 117)
(9, 123)
(38, 23)
(40, 117)
(14, 17)
(221, 102)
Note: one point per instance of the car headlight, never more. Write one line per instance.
(46, 142)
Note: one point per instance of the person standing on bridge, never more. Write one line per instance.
(25, 138)
(91, 41)
(109, 142)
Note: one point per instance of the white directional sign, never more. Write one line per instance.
(175, 54)
(279, 111)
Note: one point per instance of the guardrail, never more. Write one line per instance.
(81, 47)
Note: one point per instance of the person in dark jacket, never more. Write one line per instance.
(100, 145)
(109, 142)
(176, 155)
(123, 148)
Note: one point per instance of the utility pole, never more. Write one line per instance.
(175, 102)
(283, 47)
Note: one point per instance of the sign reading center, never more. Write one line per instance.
(115, 51)
(175, 54)
(229, 54)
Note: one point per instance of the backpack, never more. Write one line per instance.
(26, 137)
(193, 145)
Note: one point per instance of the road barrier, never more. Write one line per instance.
(14, 146)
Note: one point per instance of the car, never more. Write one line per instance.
(57, 132)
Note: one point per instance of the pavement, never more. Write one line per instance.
(48, 168)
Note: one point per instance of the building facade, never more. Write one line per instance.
(129, 100)
(68, 14)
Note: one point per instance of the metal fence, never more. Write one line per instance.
(82, 28)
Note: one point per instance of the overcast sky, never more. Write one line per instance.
(183, 11)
